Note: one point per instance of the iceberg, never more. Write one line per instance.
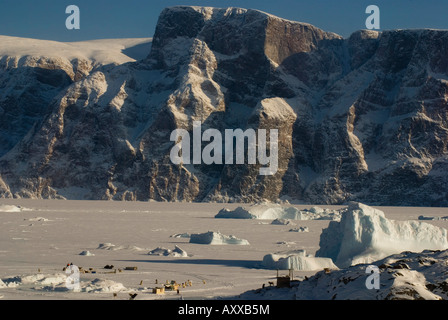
(296, 260)
(176, 252)
(276, 211)
(300, 229)
(364, 235)
(216, 238)
(86, 253)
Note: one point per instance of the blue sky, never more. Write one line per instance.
(45, 19)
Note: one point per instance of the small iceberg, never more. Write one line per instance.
(216, 238)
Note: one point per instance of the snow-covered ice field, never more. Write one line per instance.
(38, 240)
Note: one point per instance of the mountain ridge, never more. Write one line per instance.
(362, 118)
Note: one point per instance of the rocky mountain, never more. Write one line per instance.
(33, 72)
(363, 118)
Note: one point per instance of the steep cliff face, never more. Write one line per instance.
(363, 118)
(26, 88)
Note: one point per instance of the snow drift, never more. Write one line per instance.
(364, 235)
(216, 238)
(296, 260)
(276, 211)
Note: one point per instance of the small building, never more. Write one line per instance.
(158, 290)
(285, 281)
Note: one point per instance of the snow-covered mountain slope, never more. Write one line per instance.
(33, 72)
(362, 118)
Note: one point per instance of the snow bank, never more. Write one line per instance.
(276, 211)
(296, 260)
(216, 238)
(364, 235)
(160, 251)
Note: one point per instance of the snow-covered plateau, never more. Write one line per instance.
(134, 247)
